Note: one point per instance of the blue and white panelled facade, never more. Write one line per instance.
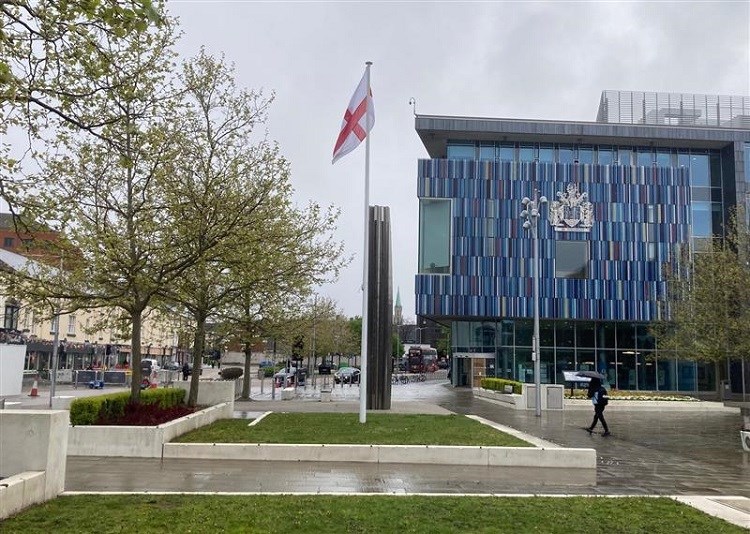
(625, 201)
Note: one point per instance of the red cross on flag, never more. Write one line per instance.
(358, 120)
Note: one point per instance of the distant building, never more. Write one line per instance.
(28, 241)
(655, 174)
(398, 318)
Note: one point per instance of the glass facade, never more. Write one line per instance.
(623, 352)
(705, 168)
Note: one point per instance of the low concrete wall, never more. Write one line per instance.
(35, 440)
(21, 491)
(139, 441)
(399, 454)
(211, 392)
(511, 400)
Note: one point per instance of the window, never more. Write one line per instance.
(585, 154)
(507, 152)
(565, 154)
(8, 242)
(699, 170)
(645, 157)
(707, 218)
(624, 156)
(487, 152)
(572, 259)
(546, 153)
(605, 155)
(683, 159)
(701, 214)
(663, 159)
(434, 235)
(461, 151)
(526, 153)
(28, 320)
(10, 321)
(715, 163)
(71, 325)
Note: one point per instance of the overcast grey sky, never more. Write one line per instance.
(535, 60)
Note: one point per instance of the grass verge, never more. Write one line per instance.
(374, 513)
(345, 428)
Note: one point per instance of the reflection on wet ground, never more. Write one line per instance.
(95, 474)
(668, 451)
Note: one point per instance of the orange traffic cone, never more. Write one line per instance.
(34, 389)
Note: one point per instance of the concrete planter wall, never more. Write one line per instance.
(411, 454)
(33, 452)
(211, 392)
(140, 441)
(11, 369)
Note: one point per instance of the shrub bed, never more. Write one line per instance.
(231, 373)
(498, 384)
(615, 394)
(91, 410)
(146, 415)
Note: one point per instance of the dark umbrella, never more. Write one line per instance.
(591, 374)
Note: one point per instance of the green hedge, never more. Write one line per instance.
(231, 373)
(88, 410)
(498, 384)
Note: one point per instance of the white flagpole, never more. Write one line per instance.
(366, 261)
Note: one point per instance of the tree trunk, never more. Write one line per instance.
(198, 347)
(135, 358)
(248, 350)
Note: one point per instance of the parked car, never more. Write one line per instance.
(173, 366)
(266, 363)
(149, 365)
(347, 375)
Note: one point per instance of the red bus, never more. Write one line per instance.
(421, 360)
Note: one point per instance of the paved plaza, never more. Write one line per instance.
(683, 449)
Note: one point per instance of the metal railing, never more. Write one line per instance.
(674, 109)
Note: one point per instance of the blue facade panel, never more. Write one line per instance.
(640, 215)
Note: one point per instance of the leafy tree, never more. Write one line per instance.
(119, 198)
(708, 301)
(224, 189)
(397, 348)
(55, 58)
(443, 343)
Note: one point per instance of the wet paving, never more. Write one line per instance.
(674, 450)
(128, 474)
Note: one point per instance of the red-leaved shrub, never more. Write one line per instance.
(147, 415)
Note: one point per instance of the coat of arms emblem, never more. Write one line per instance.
(571, 212)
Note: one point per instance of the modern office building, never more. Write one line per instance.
(655, 173)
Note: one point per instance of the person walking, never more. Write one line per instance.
(185, 371)
(599, 397)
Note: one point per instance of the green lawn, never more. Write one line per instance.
(380, 429)
(368, 514)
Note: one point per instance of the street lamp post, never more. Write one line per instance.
(531, 214)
